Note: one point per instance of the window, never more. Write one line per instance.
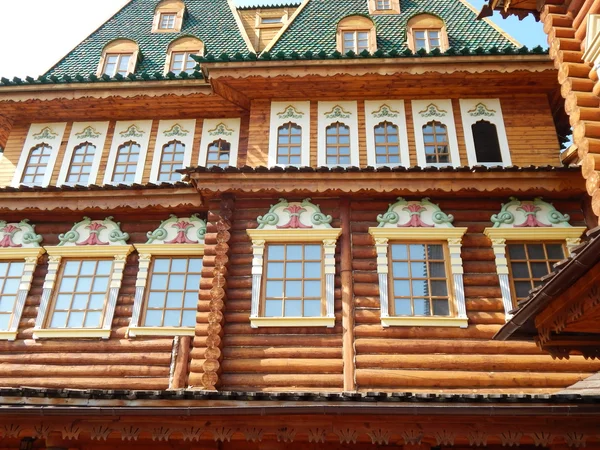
(173, 155)
(117, 64)
(435, 137)
(179, 55)
(384, 4)
(427, 39)
(172, 298)
(167, 21)
(528, 237)
(427, 32)
(119, 57)
(289, 136)
(289, 141)
(357, 34)
(529, 262)
(11, 273)
(293, 267)
(293, 285)
(271, 20)
(338, 144)
(218, 154)
(387, 144)
(485, 137)
(378, 7)
(37, 165)
(81, 164)
(420, 267)
(81, 293)
(183, 62)
(126, 164)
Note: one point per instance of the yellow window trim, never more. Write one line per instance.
(417, 234)
(160, 331)
(8, 335)
(52, 333)
(91, 251)
(537, 233)
(454, 322)
(310, 235)
(257, 322)
(171, 249)
(21, 253)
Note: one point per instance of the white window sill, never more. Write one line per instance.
(56, 333)
(160, 331)
(8, 335)
(258, 322)
(452, 322)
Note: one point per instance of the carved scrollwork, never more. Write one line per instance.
(412, 436)
(100, 432)
(191, 434)
(130, 433)
(285, 434)
(542, 439)
(346, 435)
(379, 436)
(511, 438)
(71, 432)
(477, 438)
(575, 439)
(161, 434)
(222, 434)
(253, 434)
(317, 435)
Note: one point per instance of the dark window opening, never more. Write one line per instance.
(487, 146)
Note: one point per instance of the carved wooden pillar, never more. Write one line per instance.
(204, 372)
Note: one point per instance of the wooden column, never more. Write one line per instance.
(347, 299)
(206, 354)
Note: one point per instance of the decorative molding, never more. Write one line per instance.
(290, 112)
(393, 112)
(413, 214)
(441, 111)
(330, 113)
(132, 131)
(174, 230)
(93, 133)
(18, 235)
(90, 232)
(432, 110)
(481, 110)
(226, 129)
(283, 113)
(337, 112)
(295, 215)
(88, 132)
(221, 130)
(529, 214)
(125, 132)
(385, 111)
(170, 132)
(176, 130)
(45, 134)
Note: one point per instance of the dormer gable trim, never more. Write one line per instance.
(286, 26)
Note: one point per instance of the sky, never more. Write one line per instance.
(55, 27)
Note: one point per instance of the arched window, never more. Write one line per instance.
(179, 55)
(171, 160)
(218, 154)
(168, 16)
(435, 138)
(487, 146)
(338, 144)
(126, 162)
(289, 144)
(81, 164)
(356, 33)
(118, 57)
(387, 145)
(37, 164)
(427, 32)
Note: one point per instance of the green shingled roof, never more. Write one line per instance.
(314, 30)
(315, 27)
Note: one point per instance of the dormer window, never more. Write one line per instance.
(179, 55)
(384, 6)
(356, 34)
(116, 64)
(271, 20)
(167, 21)
(427, 32)
(168, 16)
(118, 58)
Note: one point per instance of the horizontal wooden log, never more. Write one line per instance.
(442, 346)
(587, 145)
(484, 304)
(576, 84)
(573, 70)
(586, 130)
(138, 345)
(474, 331)
(283, 352)
(590, 164)
(483, 291)
(316, 381)
(79, 359)
(32, 370)
(592, 182)
(73, 382)
(244, 328)
(283, 365)
(287, 340)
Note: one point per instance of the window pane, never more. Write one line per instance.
(555, 252)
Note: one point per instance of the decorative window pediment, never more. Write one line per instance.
(523, 222)
(80, 165)
(387, 136)
(338, 134)
(84, 276)
(168, 278)
(418, 234)
(356, 34)
(220, 142)
(173, 150)
(294, 250)
(289, 140)
(19, 253)
(128, 152)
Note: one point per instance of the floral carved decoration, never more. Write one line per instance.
(90, 232)
(88, 133)
(290, 113)
(529, 214)
(423, 214)
(176, 130)
(415, 220)
(221, 130)
(481, 110)
(18, 235)
(385, 111)
(295, 211)
(132, 131)
(93, 239)
(433, 110)
(175, 230)
(296, 215)
(46, 133)
(338, 113)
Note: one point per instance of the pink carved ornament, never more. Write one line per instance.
(181, 237)
(415, 220)
(530, 220)
(294, 223)
(93, 239)
(7, 240)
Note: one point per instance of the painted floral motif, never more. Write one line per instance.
(530, 211)
(9, 233)
(221, 130)
(290, 113)
(132, 131)
(423, 214)
(294, 223)
(481, 110)
(46, 133)
(93, 239)
(385, 111)
(338, 113)
(176, 130)
(88, 133)
(11, 238)
(432, 110)
(277, 217)
(182, 226)
(88, 232)
(415, 220)
(183, 231)
(529, 214)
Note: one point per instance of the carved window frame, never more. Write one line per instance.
(50, 134)
(186, 44)
(426, 22)
(119, 47)
(281, 114)
(474, 110)
(23, 235)
(440, 231)
(125, 131)
(82, 132)
(225, 129)
(71, 248)
(556, 230)
(393, 111)
(169, 130)
(176, 8)
(269, 233)
(344, 112)
(156, 246)
(425, 111)
(356, 24)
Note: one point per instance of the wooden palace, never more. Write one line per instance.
(295, 226)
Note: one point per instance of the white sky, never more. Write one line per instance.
(53, 27)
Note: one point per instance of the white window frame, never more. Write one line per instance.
(164, 14)
(125, 131)
(158, 245)
(225, 129)
(268, 233)
(40, 133)
(425, 111)
(377, 111)
(68, 248)
(474, 110)
(427, 47)
(281, 114)
(82, 132)
(130, 63)
(343, 112)
(170, 130)
(394, 8)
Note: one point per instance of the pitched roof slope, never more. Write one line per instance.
(211, 21)
(315, 27)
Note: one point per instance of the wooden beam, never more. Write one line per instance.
(230, 94)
